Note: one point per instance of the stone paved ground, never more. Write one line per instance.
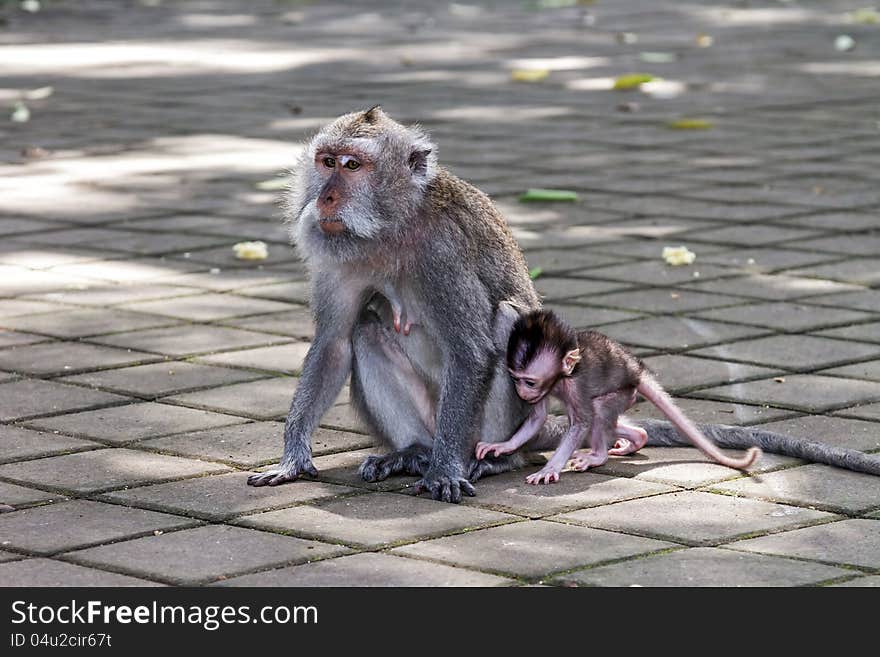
(144, 371)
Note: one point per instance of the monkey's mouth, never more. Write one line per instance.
(331, 226)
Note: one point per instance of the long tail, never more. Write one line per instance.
(663, 434)
(661, 399)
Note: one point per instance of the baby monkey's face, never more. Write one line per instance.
(537, 378)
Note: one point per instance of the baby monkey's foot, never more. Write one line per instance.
(584, 459)
(629, 439)
(544, 476)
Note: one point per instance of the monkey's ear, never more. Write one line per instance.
(372, 114)
(570, 359)
(418, 161)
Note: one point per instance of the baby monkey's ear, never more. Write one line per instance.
(570, 359)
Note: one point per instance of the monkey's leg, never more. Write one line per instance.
(393, 400)
(550, 473)
(606, 410)
(630, 438)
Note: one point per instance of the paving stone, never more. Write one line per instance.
(533, 548)
(14, 495)
(763, 261)
(224, 257)
(223, 496)
(685, 467)
(865, 332)
(342, 468)
(298, 292)
(814, 485)
(658, 272)
(374, 520)
(267, 399)
(232, 550)
(695, 518)
(160, 379)
(102, 294)
(677, 372)
(865, 411)
(46, 572)
(345, 418)
(867, 582)
(511, 494)
(32, 397)
(675, 332)
(14, 225)
(19, 443)
(87, 472)
(867, 300)
(776, 287)
(122, 424)
(712, 412)
(706, 567)
(805, 392)
(19, 307)
(67, 358)
(79, 323)
(20, 281)
(208, 307)
(285, 358)
(296, 323)
(754, 234)
(123, 271)
(14, 339)
(8, 556)
(792, 351)
(853, 542)
(836, 220)
(861, 271)
(583, 317)
(783, 316)
(186, 340)
(369, 569)
(557, 289)
(855, 244)
(68, 525)
(838, 431)
(663, 300)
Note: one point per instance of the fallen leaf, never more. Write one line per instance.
(689, 124)
(271, 185)
(678, 255)
(251, 250)
(631, 81)
(534, 272)
(20, 113)
(548, 195)
(529, 74)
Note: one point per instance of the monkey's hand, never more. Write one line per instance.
(497, 449)
(544, 476)
(443, 486)
(285, 472)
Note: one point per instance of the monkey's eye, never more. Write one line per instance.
(529, 383)
(330, 162)
(352, 165)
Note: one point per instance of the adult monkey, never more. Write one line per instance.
(379, 222)
(385, 231)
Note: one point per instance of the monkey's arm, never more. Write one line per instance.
(327, 365)
(528, 430)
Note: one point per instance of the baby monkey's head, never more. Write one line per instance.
(541, 349)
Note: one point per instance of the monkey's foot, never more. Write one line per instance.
(411, 460)
(629, 440)
(543, 476)
(281, 475)
(444, 487)
(494, 465)
(582, 460)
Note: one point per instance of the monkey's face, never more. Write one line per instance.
(536, 380)
(339, 203)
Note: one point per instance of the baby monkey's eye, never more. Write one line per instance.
(330, 162)
(529, 383)
(352, 165)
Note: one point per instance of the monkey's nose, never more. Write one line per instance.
(327, 205)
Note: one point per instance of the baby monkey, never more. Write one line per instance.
(597, 379)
